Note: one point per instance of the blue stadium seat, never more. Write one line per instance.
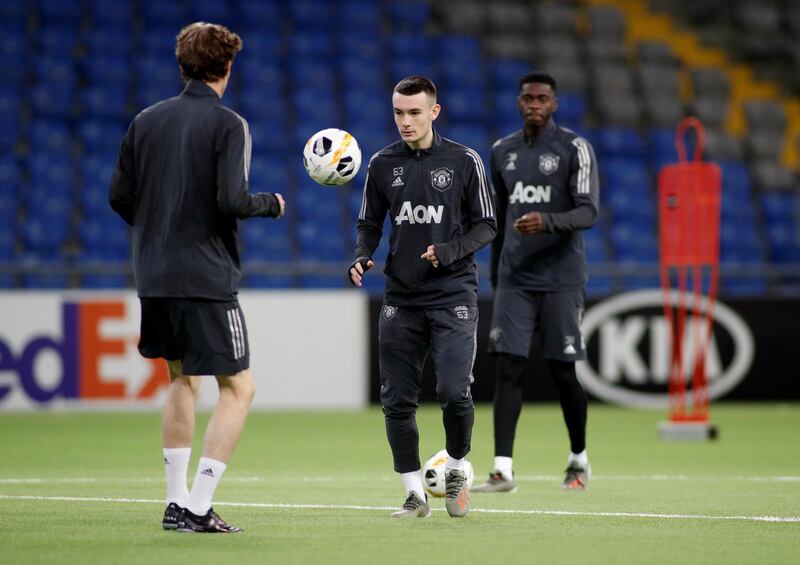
(323, 281)
(48, 259)
(14, 12)
(158, 42)
(408, 14)
(362, 45)
(316, 203)
(150, 93)
(367, 105)
(778, 207)
(735, 206)
(109, 41)
(316, 43)
(314, 104)
(57, 40)
(311, 73)
(626, 174)
(360, 15)
(212, 11)
(53, 100)
(505, 74)
(47, 228)
(462, 104)
(60, 12)
(54, 171)
(269, 174)
(473, 136)
(263, 15)
(52, 136)
(363, 75)
(106, 101)
(319, 241)
(10, 178)
(571, 108)
(108, 69)
(93, 199)
(13, 42)
(167, 13)
(9, 132)
(56, 70)
(98, 281)
(410, 45)
(404, 65)
(101, 135)
(105, 14)
(735, 178)
(264, 74)
(311, 14)
(96, 168)
(263, 45)
(270, 137)
(619, 142)
(159, 69)
(267, 281)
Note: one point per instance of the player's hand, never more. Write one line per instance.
(430, 255)
(531, 222)
(358, 269)
(281, 203)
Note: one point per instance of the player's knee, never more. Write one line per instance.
(240, 385)
(509, 369)
(455, 400)
(563, 373)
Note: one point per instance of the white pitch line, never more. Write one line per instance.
(386, 478)
(782, 519)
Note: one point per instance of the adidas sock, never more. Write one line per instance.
(503, 464)
(209, 472)
(413, 483)
(176, 465)
(581, 458)
(453, 463)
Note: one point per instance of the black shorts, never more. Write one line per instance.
(518, 313)
(208, 336)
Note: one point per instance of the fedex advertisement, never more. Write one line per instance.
(79, 350)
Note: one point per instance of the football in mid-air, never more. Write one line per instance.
(332, 157)
(433, 473)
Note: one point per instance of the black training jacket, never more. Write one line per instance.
(181, 182)
(555, 174)
(436, 196)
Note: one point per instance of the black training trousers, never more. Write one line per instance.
(405, 338)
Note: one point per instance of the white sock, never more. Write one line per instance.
(503, 464)
(209, 472)
(453, 463)
(176, 465)
(581, 458)
(413, 483)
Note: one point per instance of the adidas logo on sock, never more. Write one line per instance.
(166, 461)
(209, 472)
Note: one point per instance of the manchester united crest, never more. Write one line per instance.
(389, 312)
(442, 178)
(548, 163)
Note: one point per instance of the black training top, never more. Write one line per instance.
(436, 196)
(555, 174)
(181, 182)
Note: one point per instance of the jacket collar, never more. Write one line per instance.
(543, 135)
(196, 87)
(437, 142)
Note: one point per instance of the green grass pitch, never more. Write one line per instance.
(317, 487)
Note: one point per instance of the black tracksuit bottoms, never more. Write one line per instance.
(406, 335)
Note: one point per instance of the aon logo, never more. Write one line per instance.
(419, 214)
(529, 194)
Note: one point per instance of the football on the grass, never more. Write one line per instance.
(332, 157)
(433, 473)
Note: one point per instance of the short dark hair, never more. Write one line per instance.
(204, 50)
(414, 85)
(537, 76)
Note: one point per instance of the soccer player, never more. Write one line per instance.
(441, 210)
(545, 182)
(181, 182)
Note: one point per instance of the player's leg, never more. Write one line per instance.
(403, 341)
(563, 346)
(215, 338)
(453, 350)
(513, 324)
(178, 421)
(157, 340)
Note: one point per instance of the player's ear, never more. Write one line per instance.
(555, 103)
(435, 109)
